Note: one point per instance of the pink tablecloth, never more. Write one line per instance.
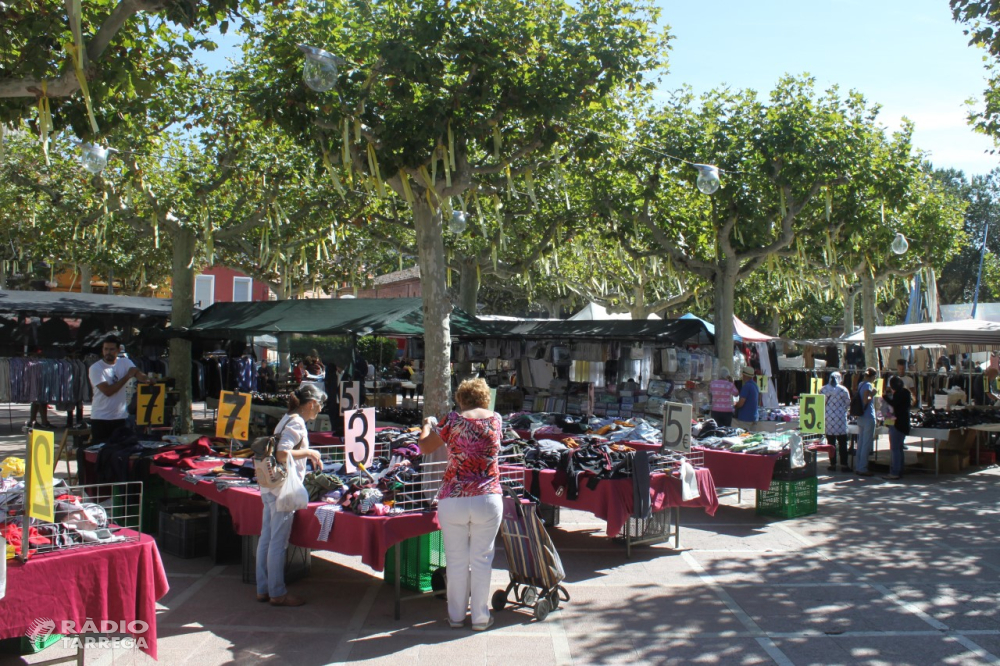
(365, 536)
(612, 500)
(117, 582)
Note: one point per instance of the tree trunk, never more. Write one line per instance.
(181, 315)
(437, 310)
(868, 316)
(725, 288)
(849, 298)
(111, 281)
(468, 287)
(285, 343)
(3, 277)
(85, 277)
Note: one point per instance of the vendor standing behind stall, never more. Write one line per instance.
(723, 391)
(108, 376)
(900, 401)
(746, 406)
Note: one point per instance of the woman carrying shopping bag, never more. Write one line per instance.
(470, 504)
(292, 452)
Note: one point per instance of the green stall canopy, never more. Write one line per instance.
(329, 316)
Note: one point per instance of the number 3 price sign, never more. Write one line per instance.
(677, 427)
(234, 415)
(359, 438)
(812, 413)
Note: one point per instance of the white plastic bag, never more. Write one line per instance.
(293, 495)
(796, 451)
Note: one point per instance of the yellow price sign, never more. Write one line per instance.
(234, 415)
(812, 413)
(878, 386)
(150, 404)
(41, 503)
(762, 383)
(815, 384)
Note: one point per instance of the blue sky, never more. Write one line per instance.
(906, 55)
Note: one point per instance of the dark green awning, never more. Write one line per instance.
(676, 331)
(71, 304)
(328, 316)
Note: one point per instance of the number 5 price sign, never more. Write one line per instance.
(677, 427)
(359, 438)
(812, 413)
(149, 404)
(234, 415)
(350, 396)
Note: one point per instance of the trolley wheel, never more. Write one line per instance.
(554, 600)
(542, 609)
(499, 600)
(529, 597)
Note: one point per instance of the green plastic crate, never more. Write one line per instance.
(125, 513)
(420, 557)
(789, 499)
(24, 646)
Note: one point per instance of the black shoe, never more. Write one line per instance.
(864, 474)
(845, 468)
(831, 468)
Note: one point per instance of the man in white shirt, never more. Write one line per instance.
(109, 376)
(908, 382)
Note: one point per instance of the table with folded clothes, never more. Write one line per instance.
(119, 582)
(632, 491)
(349, 514)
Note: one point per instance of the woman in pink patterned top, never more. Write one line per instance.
(470, 505)
(723, 391)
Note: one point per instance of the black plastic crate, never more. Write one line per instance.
(185, 535)
(783, 468)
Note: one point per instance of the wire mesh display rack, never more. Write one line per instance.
(660, 526)
(106, 513)
(420, 492)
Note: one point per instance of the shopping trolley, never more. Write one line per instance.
(535, 568)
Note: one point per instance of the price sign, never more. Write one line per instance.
(234, 415)
(350, 396)
(815, 384)
(677, 426)
(762, 383)
(41, 504)
(359, 438)
(493, 399)
(150, 401)
(812, 413)
(878, 386)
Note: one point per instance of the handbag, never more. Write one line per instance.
(293, 494)
(270, 473)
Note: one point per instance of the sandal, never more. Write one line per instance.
(287, 600)
(263, 597)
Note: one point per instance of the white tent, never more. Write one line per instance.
(971, 335)
(595, 312)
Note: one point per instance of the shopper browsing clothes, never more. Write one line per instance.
(469, 503)
(866, 422)
(746, 406)
(304, 404)
(838, 402)
(723, 391)
(108, 376)
(900, 401)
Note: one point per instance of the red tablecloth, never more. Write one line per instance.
(612, 500)
(365, 536)
(739, 470)
(117, 582)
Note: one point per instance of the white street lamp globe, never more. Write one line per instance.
(94, 158)
(458, 222)
(320, 69)
(899, 244)
(708, 178)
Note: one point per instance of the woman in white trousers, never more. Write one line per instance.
(470, 504)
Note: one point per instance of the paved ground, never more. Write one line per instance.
(885, 573)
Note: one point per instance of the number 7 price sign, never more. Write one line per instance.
(359, 438)
(677, 427)
(234, 415)
(149, 404)
(812, 413)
